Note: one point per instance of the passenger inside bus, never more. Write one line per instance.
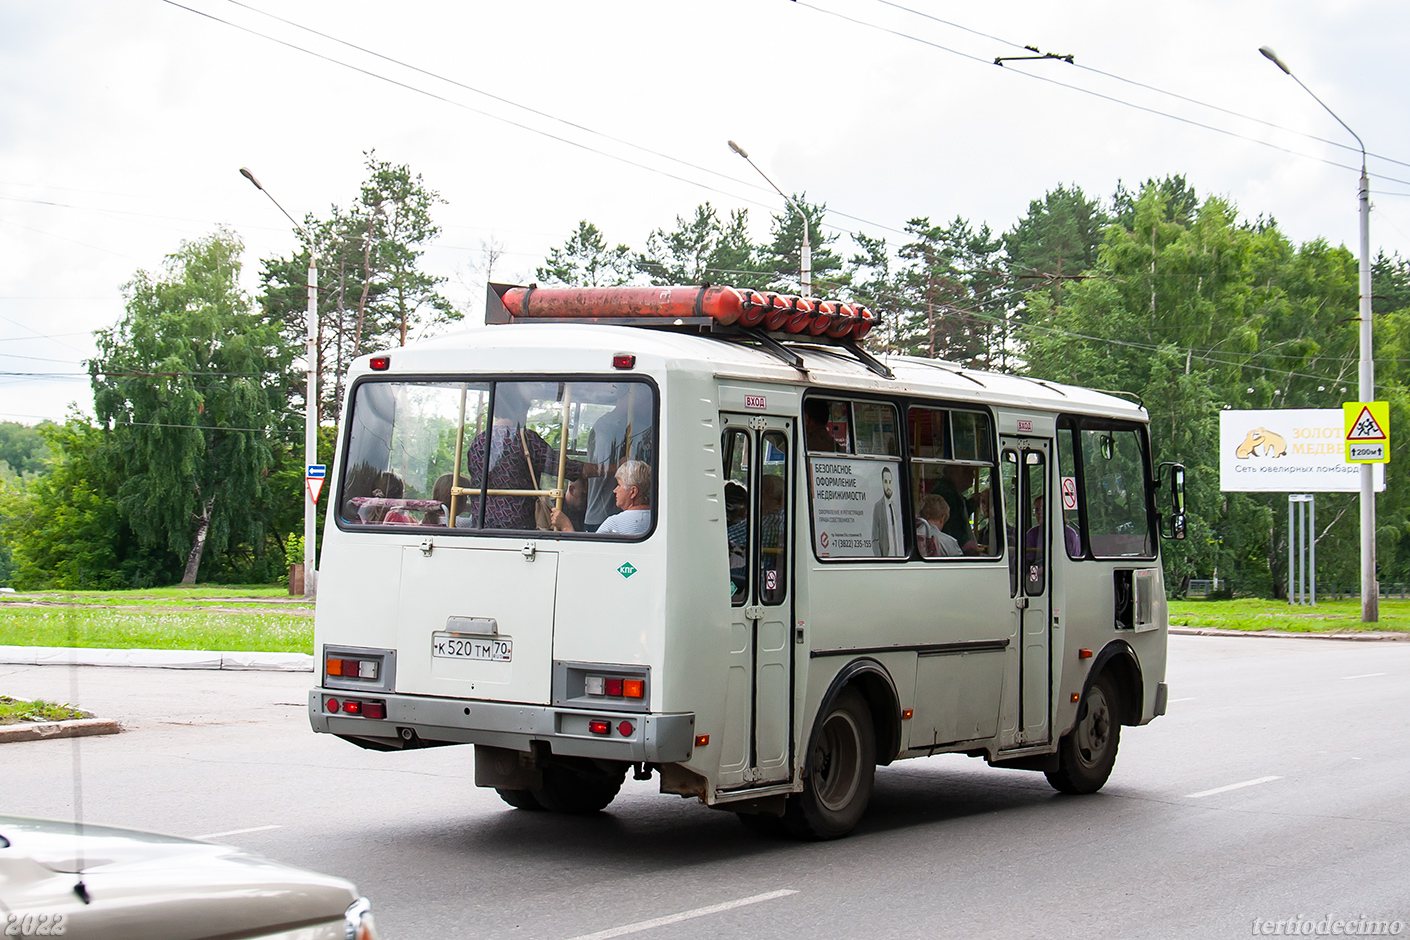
(515, 455)
(737, 531)
(955, 482)
(633, 495)
(622, 433)
(817, 412)
(931, 538)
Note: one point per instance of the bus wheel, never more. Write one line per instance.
(519, 799)
(578, 789)
(1087, 753)
(841, 769)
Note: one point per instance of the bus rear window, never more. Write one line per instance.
(574, 457)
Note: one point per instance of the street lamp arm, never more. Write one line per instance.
(1272, 56)
(245, 172)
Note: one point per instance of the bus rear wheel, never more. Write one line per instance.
(519, 799)
(578, 788)
(1087, 753)
(840, 773)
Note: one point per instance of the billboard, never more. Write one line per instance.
(1293, 450)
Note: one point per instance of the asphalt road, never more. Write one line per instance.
(1275, 789)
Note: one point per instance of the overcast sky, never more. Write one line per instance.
(123, 126)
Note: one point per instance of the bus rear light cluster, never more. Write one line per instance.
(614, 686)
(603, 727)
(351, 668)
(356, 707)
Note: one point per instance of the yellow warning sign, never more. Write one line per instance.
(1367, 431)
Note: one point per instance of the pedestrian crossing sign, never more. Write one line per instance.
(1367, 431)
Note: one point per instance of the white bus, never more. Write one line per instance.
(620, 529)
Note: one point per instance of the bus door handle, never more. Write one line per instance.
(1021, 602)
(754, 612)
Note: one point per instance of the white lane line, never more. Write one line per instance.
(1369, 675)
(235, 832)
(1189, 698)
(641, 925)
(1232, 786)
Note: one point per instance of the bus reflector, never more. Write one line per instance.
(332, 704)
(623, 361)
(1084, 654)
(633, 688)
(625, 729)
(598, 726)
(701, 740)
(380, 363)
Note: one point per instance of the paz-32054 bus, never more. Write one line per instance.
(701, 533)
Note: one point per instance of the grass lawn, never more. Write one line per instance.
(219, 617)
(1256, 614)
(13, 711)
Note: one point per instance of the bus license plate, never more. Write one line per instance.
(488, 648)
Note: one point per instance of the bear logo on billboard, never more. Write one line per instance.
(1262, 442)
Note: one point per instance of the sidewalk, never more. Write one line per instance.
(160, 659)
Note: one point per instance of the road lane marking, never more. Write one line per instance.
(1369, 675)
(641, 925)
(235, 832)
(1232, 786)
(1188, 698)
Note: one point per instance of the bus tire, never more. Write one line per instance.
(840, 772)
(519, 799)
(578, 790)
(1087, 753)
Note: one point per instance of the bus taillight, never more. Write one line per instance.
(598, 726)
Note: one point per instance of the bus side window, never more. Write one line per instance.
(735, 447)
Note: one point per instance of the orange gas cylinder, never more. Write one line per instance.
(802, 317)
(823, 312)
(843, 322)
(866, 320)
(753, 308)
(780, 309)
(723, 304)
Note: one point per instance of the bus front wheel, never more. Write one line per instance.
(1087, 753)
(841, 770)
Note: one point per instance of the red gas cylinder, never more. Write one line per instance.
(723, 304)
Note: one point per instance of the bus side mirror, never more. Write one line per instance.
(1172, 480)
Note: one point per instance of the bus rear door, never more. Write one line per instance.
(758, 456)
(1025, 475)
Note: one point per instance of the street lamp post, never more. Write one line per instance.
(1370, 590)
(807, 260)
(311, 397)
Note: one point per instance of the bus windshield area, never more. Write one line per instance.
(512, 456)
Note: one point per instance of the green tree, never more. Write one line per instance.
(372, 293)
(188, 383)
(703, 249)
(780, 260)
(1056, 240)
(585, 260)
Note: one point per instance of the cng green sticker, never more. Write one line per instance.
(626, 570)
(1367, 431)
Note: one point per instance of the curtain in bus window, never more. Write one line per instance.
(1114, 474)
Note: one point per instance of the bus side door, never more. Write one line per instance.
(758, 456)
(1025, 471)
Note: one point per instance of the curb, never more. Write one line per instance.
(1367, 637)
(156, 659)
(77, 728)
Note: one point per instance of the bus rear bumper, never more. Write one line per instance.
(415, 720)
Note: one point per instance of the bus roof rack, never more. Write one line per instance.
(763, 317)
